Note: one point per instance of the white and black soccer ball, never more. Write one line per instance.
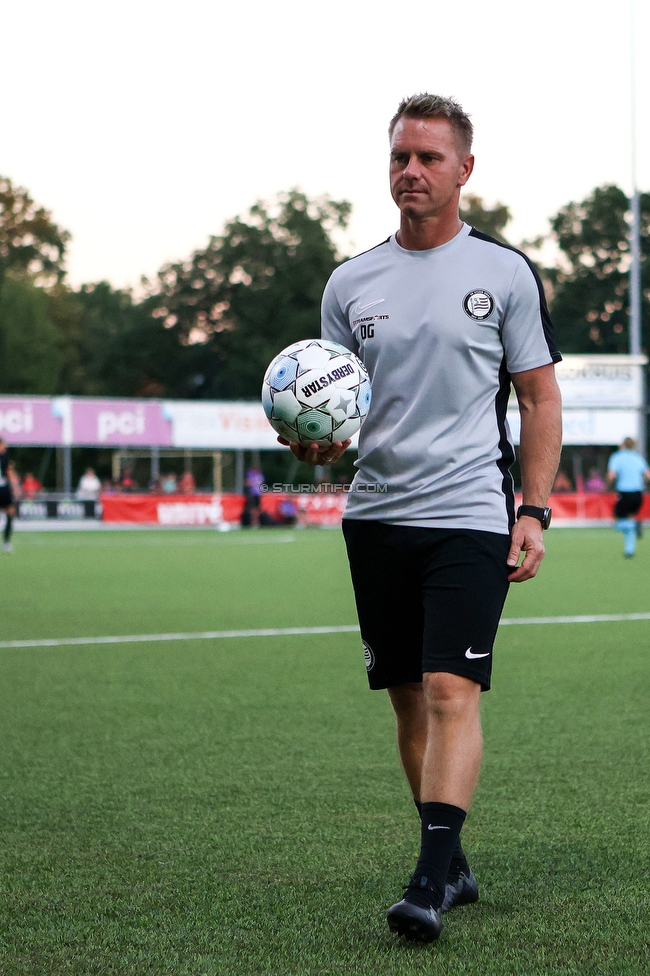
(316, 391)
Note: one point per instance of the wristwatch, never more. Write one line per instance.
(543, 514)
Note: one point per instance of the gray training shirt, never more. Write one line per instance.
(440, 332)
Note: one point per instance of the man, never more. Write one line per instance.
(6, 497)
(443, 318)
(628, 470)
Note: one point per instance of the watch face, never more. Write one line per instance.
(547, 518)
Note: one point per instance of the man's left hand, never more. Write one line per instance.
(527, 537)
(313, 454)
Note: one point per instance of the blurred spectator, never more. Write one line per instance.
(89, 485)
(127, 481)
(108, 488)
(561, 483)
(288, 512)
(31, 485)
(187, 484)
(14, 480)
(595, 483)
(252, 497)
(169, 484)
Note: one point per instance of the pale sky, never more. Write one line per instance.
(143, 126)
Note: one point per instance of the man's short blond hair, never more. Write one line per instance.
(425, 106)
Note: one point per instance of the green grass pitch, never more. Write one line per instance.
(236, 806)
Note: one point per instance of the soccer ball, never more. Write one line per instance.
(316, 391)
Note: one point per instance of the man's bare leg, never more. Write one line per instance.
(439, 736)
(452, 759)
(449, 771)
(412, 731)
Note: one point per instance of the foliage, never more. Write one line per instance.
(590, 291)
(31, 345)
(252, 291)
(122, 349)
(30, 241)
(489, 220)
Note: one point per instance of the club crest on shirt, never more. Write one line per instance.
(478, 304)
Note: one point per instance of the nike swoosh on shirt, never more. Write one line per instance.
(359, 308)
(468, 653)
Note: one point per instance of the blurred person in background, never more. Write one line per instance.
(594, 483)
(628, 471)
(561, 485)
(14, 480)
(31, 486)
(127, 481)
(187, 483)
(252, 497)
(89, 485)
(6, 497)
(169, 483)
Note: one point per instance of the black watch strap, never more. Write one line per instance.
(543, 514)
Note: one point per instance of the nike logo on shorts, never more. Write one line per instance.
(468, 654)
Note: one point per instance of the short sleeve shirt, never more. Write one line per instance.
(628, 466)
(440, 332)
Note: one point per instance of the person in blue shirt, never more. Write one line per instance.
(628, 471)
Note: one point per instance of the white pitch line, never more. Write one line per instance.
(596, 618)
(202, 635)
(293, 631)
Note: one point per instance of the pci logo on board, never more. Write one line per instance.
(126, 423)
(17, 420)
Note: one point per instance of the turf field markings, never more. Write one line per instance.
(137, 539)
(595, 618)
(204, 635)
(294, 631)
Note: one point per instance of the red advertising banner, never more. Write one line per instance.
(172, 509)
(310, 508)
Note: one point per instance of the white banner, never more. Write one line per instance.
(601, 381)
(590, 426)
(221, 425)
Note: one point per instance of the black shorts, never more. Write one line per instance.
(6, 497)
(628, 504)
(427, 599)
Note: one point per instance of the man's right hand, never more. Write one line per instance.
(314, 454)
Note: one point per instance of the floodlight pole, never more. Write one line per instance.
(635, 232)
(635, 229)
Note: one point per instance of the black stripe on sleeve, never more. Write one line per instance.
(547, 325)
(506, 452)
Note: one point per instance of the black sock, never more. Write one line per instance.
(458, 863)
(7, 532)
(441, 826)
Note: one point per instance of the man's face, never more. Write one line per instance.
(427, 167)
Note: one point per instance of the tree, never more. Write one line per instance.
(252, 291)
(590, 289)
(31, 347)
(489, 220)
(122, 349)
(30, 241)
